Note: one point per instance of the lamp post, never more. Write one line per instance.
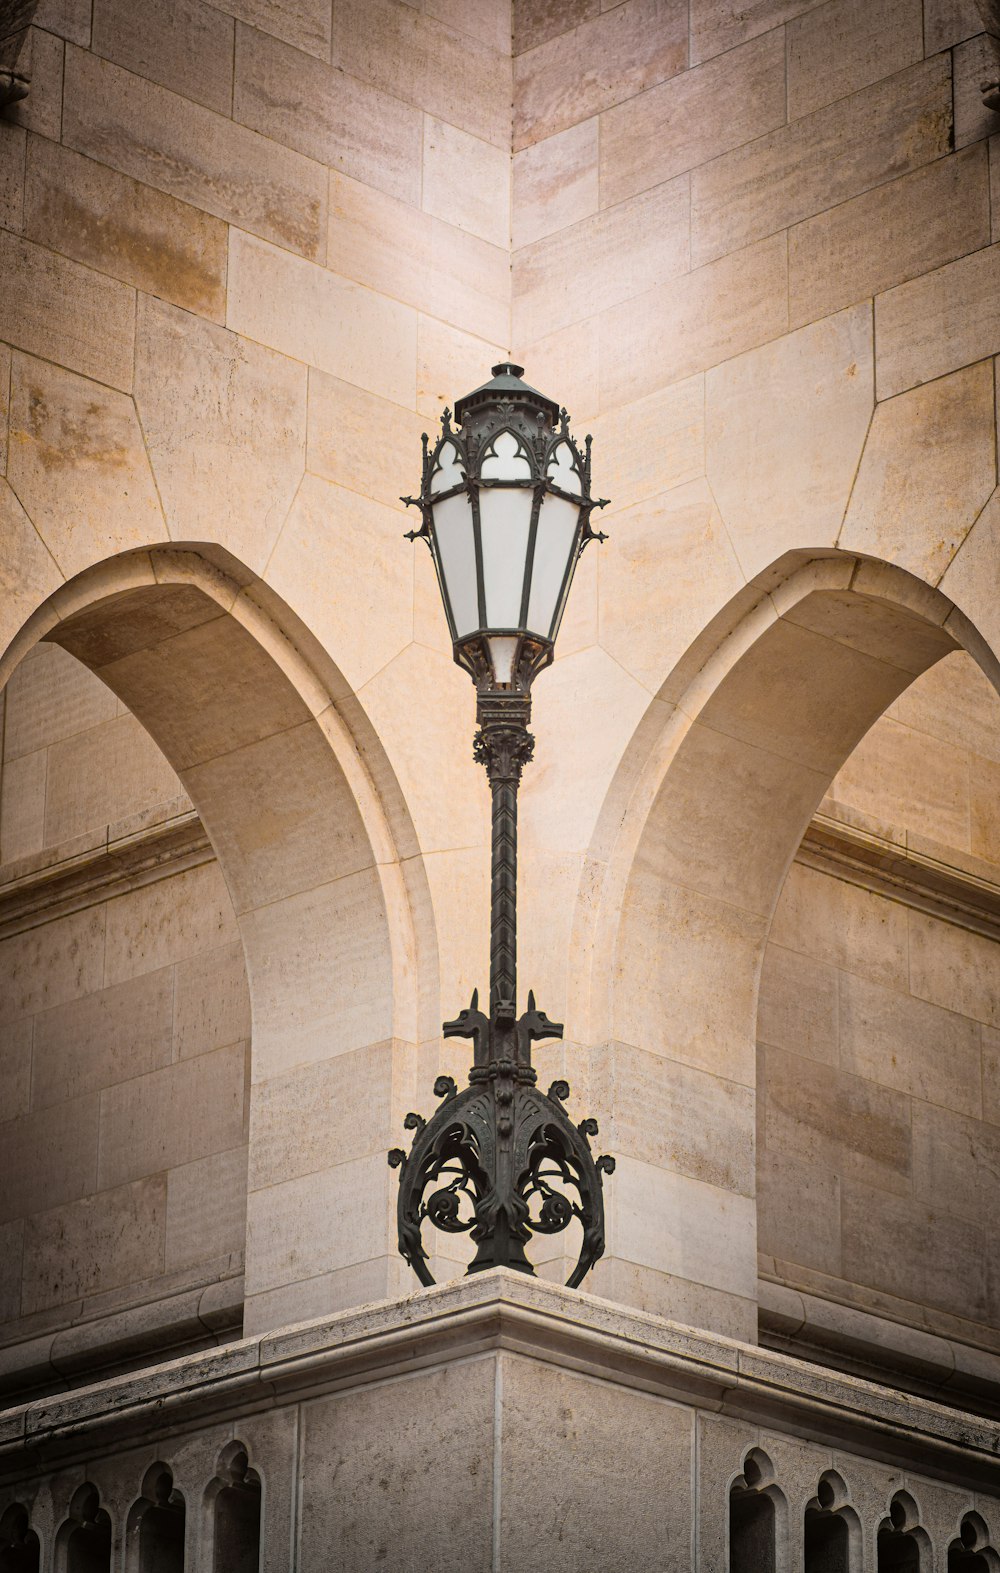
(505, 503)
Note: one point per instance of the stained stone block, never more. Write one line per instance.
(168, 921)
(976, 62)
(68, 19)
(172, 1116)
(15, 1067)
(718, 25)
(956, 1163)
(22, 806)
(50, 1157)
(66, 313)
(910, 781)
(953, 967)
(842, 1123)
(316, 1116)
(555, 183)
(798, 1212)
(948, 22)
(102, 776)
(43, 55)
(110, 1036)
(956, 702)
(90, 1246)
(211, 1001)
(797, 1006)
(844, 925)
(466, 182)
(303, 23)
(915, 1251)
(917, 1048)
(45, 966)
(13, 149)
(206, 1209)
(933, 324)
(535, 23)
(847, 45)
(183, 44)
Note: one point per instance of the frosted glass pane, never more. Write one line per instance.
(557, 521)
(562, 471)
(502, 652)
(448, 472)
(504, 515)
(457, 555)
(506, 460)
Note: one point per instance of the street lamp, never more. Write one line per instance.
(505, 503)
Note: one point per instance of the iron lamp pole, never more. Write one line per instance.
(505, 504)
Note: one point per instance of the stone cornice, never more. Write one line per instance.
(500, 1310)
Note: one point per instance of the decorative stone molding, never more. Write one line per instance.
(15, 19)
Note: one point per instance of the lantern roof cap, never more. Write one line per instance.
(506, 383)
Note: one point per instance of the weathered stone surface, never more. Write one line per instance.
(693, 322)
(914, 1251)
(935, 323)
(189, 152)
(182, 44)
(614, 256)
(43, 55)
(54, 308)
(327, 115)
(717, 25)
(50, 1157)
(785, 426)
(677, 125)
(415, 58)
(826, 157)
(555, 183)
(78, 465)
(948, 22)
(798, 1212)
(466, 182)
(211, 1001)
(99, 777)
(67, 18)
(28, 571)
(536, 21)
(206, 1209)
(956, 1163)
(891, 1038)
(225, 429)
(303, 23)
(22, 806)
(928, 467)
(797, 1006)
(49, 697)
(911, 782)
(975, 62)
(12, 157)
(172, 1116)
(604, 60)
(847, 45)
(15, 1067)
(840, 1122)
(954, 968)
(92, 1245)
(843, 925)
(122, 227)
(318, 317)
(871, 243)
(320, 1115)
(170, 920)
(111, 1036)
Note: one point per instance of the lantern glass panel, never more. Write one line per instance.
(562, 469)
(456, 550)
(554, 545)
(447, 471)
(505, 515)
(502, 653)
(506, 460)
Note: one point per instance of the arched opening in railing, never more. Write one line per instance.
(236, 1514)
(19, 1548)
(752, 1517)
(84, 1544)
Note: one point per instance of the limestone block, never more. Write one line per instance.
(670, 1115)
(592, 1475)
(167, 921)
(66, 18)
(371, 1486)
(303, 23)
(320, 968)
(51, 697)
(910, 781)
(682, 122)
(840, 1122)
(720, 1447)
(721, 24)
(13, 149)
(991, 1075)
(555, 183)
(110, 1036)
(797, 1005)
(320, 1115)
(343, 1289)
(919, 1253)
(798, 1212)
(362, 442)
(650, 447)
(984, 809)
(41, 111)
(683, 1227)
(336, 1217)
(22, 806)
(684, 985)
(225, 423)
(119, 226)
(15, 1067)
(322, 319)
(466, 182)
(948, 22)
(191, 153)
(416, 258)
(995, 185)
(78, 465)
(953, 967)
(99, 777)
(872, 243)
(916, 1047)
(822, 159)
(928, 467)
(485, 20)
(418, 59)
(848, 45)
(55, 308)
(61, 960)
(28, 571)
(211, 1001)
(94, 1244)
(844, 925)
(785, 426)
(956, 702)
(604, 60)
(566, 360)
(693, 322)
(50, 1157)
(205, 1209)
(617, 254)
(967, 580)
(933, 324)
(341, 122)
(449, 363)
(956, 1163)
(975, 62)
(10, 1269)
(172, 1116)
(365, 618)
(183, 44)
(535, 23)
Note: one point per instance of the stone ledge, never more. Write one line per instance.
(501, 1310)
